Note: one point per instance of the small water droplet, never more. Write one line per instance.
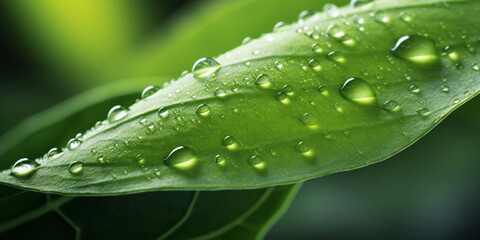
(452, 54)
(220, 160)
(219, 92)
(282, 97)
(157, 172)
(338, 108)
(203, 110)
(305, 14)
(246, 40)
(322, 90)
(73, 143)
(256, 162)
(230, 143)
(140, 159)
(280, 26)
(416, 49)
(205, 67)
(444, 88)
(181, 157)
(163, 112)
(382, 16)
(358, 90)
(310, 121)
(75, 167)
(278, 65)
(305, 149)
(475, 67)
(117, 113)
(263, 81)
(423, 112)
(358, 3)
(149, 91)
(391, 106)
(336, 57)
(256, 52)
(101, 159)
(315, 65)
(415, 89)
(339, 34)
(288, 90)
(24, 167)
(406, 17)
(54, 153)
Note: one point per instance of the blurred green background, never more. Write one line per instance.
(52, 50)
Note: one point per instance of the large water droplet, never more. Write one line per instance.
(415, 48)
(117, 113)
(230, 143)
(256, 162)
(205, 67)
(24, 167)
(75, 167)
(73, 143)
(203, 110)
(263, 81)
(181, 157)
(149, 91)
(357, 90)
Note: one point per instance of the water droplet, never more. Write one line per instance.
(391, 106)
(256, 52)
(310, 121)
(157, 172)
(116, 113)
(149, 91)
(338, 108)
(475, 67)
(282, 97)
(75, 167)
(263, 81)
(357, 90)
(358, 3)
(444, 88)
(423, 112)
(246, 40)
(331, 9)
(315, 65)
(415, 48)
(256, 162)
(203, 110)
(280, 26)
(219, 92)
(278, 65)
(73, 143)
(181, 157)
(205, 67)
(230, 143)
(288, 90)
(337, 33)
(405, 17)
(305, 14)
(53, 153)
(101, 159)
(452, 54)
(140, 159)
(305, 149)
(24, 167)
(220, 160)
(336, 57)
(322, 90)
(415, 89)
(316, 48)
(382, 16)
(163, 112)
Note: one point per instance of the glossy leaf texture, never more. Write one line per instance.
(159, 215)
(336, 91)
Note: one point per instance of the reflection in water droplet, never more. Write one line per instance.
(117, 113)
(205, 67)
(263, 81)
(416, 49)
(336, 57)
(24, 167)
(163, 112)
(391, 106)
(203, 110)
(181, 157)
(358, 90)
(415, 89)
(220, 160)
(305, 149)
(73, 144)
(230, 143)
(256, 162)
(423, 112)
(310, 121)
(75, 167)
(149, 91)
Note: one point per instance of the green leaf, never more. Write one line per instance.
(243, 214)
(158, 215)
(363, 84)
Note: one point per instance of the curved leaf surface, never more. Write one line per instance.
(335, 91)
